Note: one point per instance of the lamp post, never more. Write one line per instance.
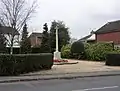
(57, 54)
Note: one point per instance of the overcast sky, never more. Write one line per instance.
(81, 16)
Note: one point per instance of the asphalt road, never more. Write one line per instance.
(84, 84)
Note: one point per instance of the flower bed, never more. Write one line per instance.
(60, 61)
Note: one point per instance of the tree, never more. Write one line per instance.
(14, 14)
(45, 27)
(2, 42)
(24, 32)
(25, 43)
(63, 34)
(45, 46)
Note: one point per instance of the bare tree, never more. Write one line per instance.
(14, 14)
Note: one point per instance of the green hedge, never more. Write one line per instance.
(24, 63)
(113, 59)
(77, 50)
(77, 47)
(66, 53)
(36, 50)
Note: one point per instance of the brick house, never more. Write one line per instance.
(36, 39)
(110, 32)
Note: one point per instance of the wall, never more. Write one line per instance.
(35, 41)
(115, 37)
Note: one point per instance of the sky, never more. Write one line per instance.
(81, 16)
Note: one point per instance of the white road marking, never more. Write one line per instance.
(93, 89)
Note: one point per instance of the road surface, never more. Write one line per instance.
(111, 83)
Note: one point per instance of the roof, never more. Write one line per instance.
(85, 38)
(109, 27)
(36, 34)
(91, 36)
(8, 30)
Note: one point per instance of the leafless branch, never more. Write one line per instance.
(15, 13)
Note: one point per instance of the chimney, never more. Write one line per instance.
(92, 32)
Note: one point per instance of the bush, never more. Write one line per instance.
(77, 50)
(15, 50)
(25, 46)
(36, 50)
(24, 63)
(7, 64)
(77, 47)
(113, 59)
(83, 55)
(66, 51)
(98, 51)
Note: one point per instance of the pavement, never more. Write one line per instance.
(67, 71)
(111, 83)
(81, 66)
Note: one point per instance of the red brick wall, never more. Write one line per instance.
(115, 37)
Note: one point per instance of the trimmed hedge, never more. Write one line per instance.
(77, 47)
(77, 50)
(17, 50)
(36, 50)
(23, 63)
(113, 59)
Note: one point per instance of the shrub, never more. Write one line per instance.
(66, 51)
(83, 55)
(98, 51)
(86, 45)
(24, 63)
(36, 50)
(77, 47)
(25, 46)
(115, 51)
(15, 50)
(7, 64)
(77, 50)
(113, 59)
(33, 50)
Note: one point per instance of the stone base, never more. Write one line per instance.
(57, 55)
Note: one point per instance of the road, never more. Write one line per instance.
(111, 83)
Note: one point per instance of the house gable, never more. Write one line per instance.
(36, 39)
(109, 32)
